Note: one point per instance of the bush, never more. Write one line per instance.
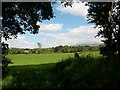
(76, 55)
(60, 66)
(5, 60)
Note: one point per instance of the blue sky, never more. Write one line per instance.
(69, 27)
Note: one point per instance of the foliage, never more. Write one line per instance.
(39, 45)
(76, 55)
(5, 60)
(57, 49)
(88, 72)
(100, 15)
(105, 16)
(18, 17)
(116, 25)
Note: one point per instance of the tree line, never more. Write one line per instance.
(57, 49)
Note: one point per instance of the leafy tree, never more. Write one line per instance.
(5, 60)
(101, 15)
(18, 17)
(106, 16)
(58, 48)
(76, 55)
(65, 49)
(116, 25)
(39, 45)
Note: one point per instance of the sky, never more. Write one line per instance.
(69, 27)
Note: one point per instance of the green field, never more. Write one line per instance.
(28, 59)
(33, 71)
(41, 71)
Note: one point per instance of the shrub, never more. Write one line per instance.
(5, 60)
(76, 55)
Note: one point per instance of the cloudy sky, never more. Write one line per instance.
(69, 27)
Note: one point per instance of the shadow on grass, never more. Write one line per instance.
(30, 77)
(89, 72)
(82, 72)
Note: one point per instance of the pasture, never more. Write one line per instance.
(30, 59)
(56, 70)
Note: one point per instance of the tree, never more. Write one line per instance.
(101, 15)
(39, 45)
(106, 16)
(18, 17)
(116, 25)
(39, 49)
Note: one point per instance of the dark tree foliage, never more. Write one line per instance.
(5, 60)
(102, 14)
(99, 14)
(76, 55)
(116, 25)
(18, 17)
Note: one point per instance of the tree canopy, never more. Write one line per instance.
(105, 16)
(18, 17)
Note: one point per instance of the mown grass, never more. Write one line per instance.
(28, 59)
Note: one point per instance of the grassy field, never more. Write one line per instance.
(24, 75)
(90, 70)
(33, 71)
(28, 59)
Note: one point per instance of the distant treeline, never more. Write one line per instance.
(57, 49)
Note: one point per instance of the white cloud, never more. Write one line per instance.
(69, 41)
(61, 36)
(79, 35)
(20, 42)
(50, 27)
(77, 9)
(83, 30)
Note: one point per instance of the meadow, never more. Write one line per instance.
(28, 59)
(61, 70)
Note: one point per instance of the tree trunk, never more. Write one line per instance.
(109, 32)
